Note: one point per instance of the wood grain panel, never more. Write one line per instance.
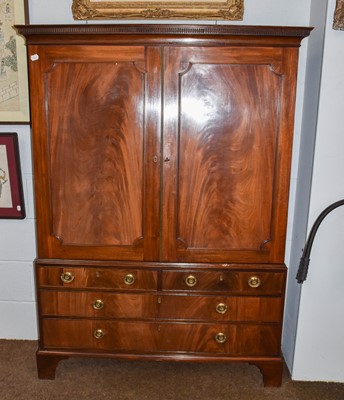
(97, 278)
(80, 304)
(118, 336)
(228, 123)
(141, 306)
(258, 340)
(248, 340)
(225, 281)
(102, 53)
(254, 309)
(251, 340)
(96, 150)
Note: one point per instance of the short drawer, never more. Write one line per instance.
(233, 282)
(96, 278)
(97, 304)
(221, 308)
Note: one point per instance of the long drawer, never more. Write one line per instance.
(149, 306)
(97, 335)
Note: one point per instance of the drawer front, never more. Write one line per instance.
(221, 308)
(229, 339)
(235, 340)
(99, 335)
(97, 304)
(97, 278)
(146, 306)
(243, 283)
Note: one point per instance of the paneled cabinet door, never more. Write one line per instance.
(97, 173)
(228, 122)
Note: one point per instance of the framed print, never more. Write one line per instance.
(14, 97)
(338, 22)
(11, 187)
(159, 9)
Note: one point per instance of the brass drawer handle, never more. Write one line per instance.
(221, 338)
(98, 304)
(67, 277)
(129, 279)
(221, 308)
(254, 282)
(98, 333)
(191, 281)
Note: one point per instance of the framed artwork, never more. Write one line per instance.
(14, 96)
(11, 187)
(158, 9)
(338, 22)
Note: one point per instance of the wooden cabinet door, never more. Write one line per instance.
(96, 174)
(228, 123)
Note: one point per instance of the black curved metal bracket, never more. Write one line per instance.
(305, 259)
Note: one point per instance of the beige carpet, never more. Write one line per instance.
(103, 379)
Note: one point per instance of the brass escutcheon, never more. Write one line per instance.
(221, 337)
(254, 282)
(67, 277)
(191, 281)
(129, 279)
(221, 308)
(98, 333)
(98, 304)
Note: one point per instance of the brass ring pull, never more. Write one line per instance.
(129, 279)
(98, 304)
(98, 333)
(221, 338)
(191, 281)
(67, 277)
(221, 308)
(254, 282)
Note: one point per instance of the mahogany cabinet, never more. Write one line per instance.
(162, 163)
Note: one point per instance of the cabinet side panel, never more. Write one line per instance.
(96, 151)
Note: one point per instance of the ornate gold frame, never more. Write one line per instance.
(229, 10)
(338, 22)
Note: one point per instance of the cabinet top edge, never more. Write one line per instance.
(166, 29)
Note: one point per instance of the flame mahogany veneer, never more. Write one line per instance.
(162, 163)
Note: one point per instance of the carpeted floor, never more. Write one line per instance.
(103, 379)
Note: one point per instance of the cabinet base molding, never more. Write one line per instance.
(270, 368)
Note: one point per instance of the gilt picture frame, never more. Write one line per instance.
(14, 93)
(11, 187)
(338, 22)
(229, 10)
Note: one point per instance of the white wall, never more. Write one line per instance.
(17, 305)
(299, 214)
(319, 352)
(17, 299)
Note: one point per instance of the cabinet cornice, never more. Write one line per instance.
(165, 34)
